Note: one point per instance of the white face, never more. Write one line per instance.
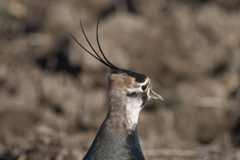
(135, 100)
(138, 87)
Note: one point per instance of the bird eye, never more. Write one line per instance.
(144, 87)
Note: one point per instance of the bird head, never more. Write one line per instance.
(131, 87)
(128, 91)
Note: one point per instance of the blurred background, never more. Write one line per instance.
(53, 95)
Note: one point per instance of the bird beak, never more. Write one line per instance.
(154, 95)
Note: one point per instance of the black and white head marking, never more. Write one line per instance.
(131, 88)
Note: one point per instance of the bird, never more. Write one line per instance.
(128, 92)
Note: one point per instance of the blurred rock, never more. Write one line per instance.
(18, 10)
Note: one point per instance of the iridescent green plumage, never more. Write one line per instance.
(114, 142)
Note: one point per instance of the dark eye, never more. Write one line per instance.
(144, 87)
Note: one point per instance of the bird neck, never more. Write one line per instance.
(115, 139)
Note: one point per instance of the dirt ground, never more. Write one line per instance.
(53, 95)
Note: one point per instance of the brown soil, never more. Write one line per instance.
(53, 95)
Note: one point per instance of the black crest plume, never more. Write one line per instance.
(105, 60)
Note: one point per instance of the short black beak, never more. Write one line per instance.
(154, 95)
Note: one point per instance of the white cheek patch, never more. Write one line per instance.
(148, 92)
(134, 104)
(139, 89)
(133, 108)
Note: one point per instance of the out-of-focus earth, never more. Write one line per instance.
(53, 95)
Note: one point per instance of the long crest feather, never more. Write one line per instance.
(101, 49)
(96, 56)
